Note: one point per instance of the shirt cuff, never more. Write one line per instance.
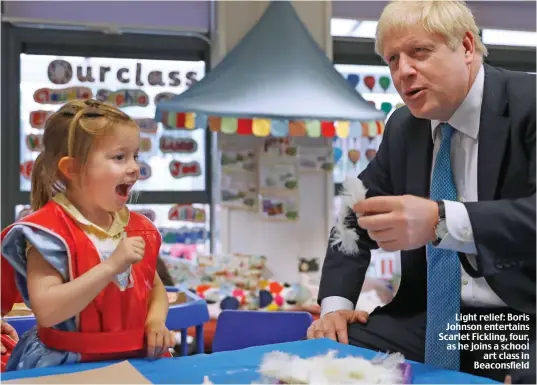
(460, 236)
(335, 303)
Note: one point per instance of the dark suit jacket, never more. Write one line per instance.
(503, 220)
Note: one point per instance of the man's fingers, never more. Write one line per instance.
(341, 330)
(390, 246)
(377, 222)
(361, 316)
(3, 349)
(376, 205)
(318, 333)
(316, 330)
(329, 331)
(386, 235)
(309, 333)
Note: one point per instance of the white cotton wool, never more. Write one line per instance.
(328, 369)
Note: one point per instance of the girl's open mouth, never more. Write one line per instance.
(123, 189)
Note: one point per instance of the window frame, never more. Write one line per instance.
(63, 42)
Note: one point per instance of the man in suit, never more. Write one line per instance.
(453, 187)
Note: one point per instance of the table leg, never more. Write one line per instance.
(184, 342)
(200, 343)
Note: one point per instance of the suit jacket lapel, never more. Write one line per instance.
(420, 153)
(493, 133)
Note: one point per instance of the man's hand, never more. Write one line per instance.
(334, 325)
(398, 222)
(11, 332)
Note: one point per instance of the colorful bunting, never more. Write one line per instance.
(190, 121)
(244, 127)
(215, 123)
(261, 127)
(313, 128)
(297, 128)
(229, 125)
(275, 128)
(280, 128)
(343, 129)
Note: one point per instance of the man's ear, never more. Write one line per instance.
(67, 166)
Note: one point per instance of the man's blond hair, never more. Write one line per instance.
(448, 18)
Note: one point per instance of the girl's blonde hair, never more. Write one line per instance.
(71, 131)
(448, 18)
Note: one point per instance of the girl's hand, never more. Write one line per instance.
(129, 251)
(10, 332)
(158, 338)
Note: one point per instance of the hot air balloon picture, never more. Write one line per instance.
(385, 82)
(353, 151)
(369, 82)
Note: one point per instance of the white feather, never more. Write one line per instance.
(346, 238)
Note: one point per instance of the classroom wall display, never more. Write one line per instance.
(147, 125)
(187, 213)
(316, 159)
(127, 97)
(34, 142)
(145, 171)
(38, 118)
(134, 85)
(145, 144)
(238, 185)
(278, 173)
(375, 85)
(183, 227)
(26, 169)
(149, 214)
(61, 95)
(179, 169)
(279, 207)
(170, 144)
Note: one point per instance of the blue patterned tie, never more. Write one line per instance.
(443, 270)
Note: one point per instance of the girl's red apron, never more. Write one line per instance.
(112, 325)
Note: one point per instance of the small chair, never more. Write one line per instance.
(239, 329)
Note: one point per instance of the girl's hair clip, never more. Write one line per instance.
(69, 111)
(93, 112)
(93, 108)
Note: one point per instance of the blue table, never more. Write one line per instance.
(240, 367)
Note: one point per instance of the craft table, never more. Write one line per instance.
(240, 367)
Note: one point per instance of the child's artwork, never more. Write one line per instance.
(282, 177)
(279, 208)
(239, 190)
(316, 159)
(279, 148)
(233, 161)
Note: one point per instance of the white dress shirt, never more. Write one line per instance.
(475, 292)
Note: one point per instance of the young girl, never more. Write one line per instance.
(84, 264)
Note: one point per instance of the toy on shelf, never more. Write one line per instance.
(236, 281)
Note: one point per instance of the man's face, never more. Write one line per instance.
(431, 77)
